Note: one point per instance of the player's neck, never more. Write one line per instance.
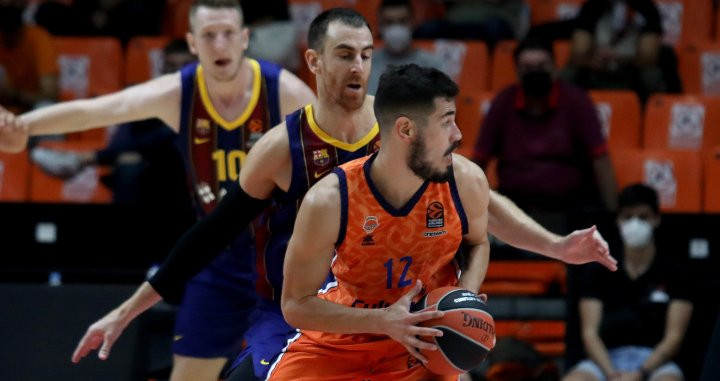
(345, 125)
(232, 96)
(392, 177)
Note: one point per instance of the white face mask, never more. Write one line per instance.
(636, 233)
(397, 38)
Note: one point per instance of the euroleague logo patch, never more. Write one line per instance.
(435, 215)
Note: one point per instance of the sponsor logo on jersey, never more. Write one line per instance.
(437, 233)
(362, 304)
(371, 223)
(321, 157)
(202, 126)
(198, 141)
(319, 174)
(435, 215)
(368, 240)
(255, 125)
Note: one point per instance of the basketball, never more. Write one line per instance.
(467, 326)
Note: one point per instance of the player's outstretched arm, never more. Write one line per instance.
(512, 225)
(158, 98)
(306, 266)
(473, 188)
(104, 332)
(13, 132)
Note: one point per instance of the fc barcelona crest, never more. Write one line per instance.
(321, 157)
(202, 127)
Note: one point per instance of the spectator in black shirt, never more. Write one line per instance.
(634, 320)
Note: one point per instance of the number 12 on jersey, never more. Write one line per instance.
(405, 263)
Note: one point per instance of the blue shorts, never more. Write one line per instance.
(213, 315)
(266, 337)
(628, 359)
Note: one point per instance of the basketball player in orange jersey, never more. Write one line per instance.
(388, 225)
(337, 128)
(219, 108)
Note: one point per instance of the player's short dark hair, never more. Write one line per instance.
(639, 194)
(534, 43)
(410, 90)
(319, 26)
(215, 4)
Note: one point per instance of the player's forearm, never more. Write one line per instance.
(143, 298)
(315, 314)
(477, 264)
(509, 223)
(205, 241)
(60, 118)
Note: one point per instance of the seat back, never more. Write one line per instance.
(144, 58)
(675, 175)
(711, 202)
(682, 122)
(619, 114)
(14, 178)
(85, 187)
(685, 20)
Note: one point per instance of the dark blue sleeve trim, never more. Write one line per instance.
(343, 205)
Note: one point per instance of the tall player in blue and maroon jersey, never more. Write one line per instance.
(282, 165)
(219, 107)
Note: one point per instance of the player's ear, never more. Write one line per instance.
(404, 128)
(191, 42)
(312, 58)
(245, 38)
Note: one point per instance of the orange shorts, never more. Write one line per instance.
(381, 360)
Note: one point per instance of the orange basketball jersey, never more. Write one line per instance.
(382, 251)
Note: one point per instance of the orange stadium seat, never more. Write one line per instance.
(543, 11)
(685, 20)
(676, 175)
(465, 61)
(682, 122)
(176, 22)
(619, 112)
(711, 203)
(547, 336)
(503, 73)
(699, 66)
(523, 277)
(14, 178)
(83, 188)
(144, 58)
(89, 66)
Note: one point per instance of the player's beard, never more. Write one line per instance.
(423, 169)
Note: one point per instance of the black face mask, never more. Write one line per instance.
(10, 18)
(537, 83)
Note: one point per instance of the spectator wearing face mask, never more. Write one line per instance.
(28, 61)
(395, 19)
(633, 321)
(552, 156)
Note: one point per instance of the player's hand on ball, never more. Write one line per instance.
(103, 332)
(401, 325)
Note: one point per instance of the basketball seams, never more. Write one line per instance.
(460, 334)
